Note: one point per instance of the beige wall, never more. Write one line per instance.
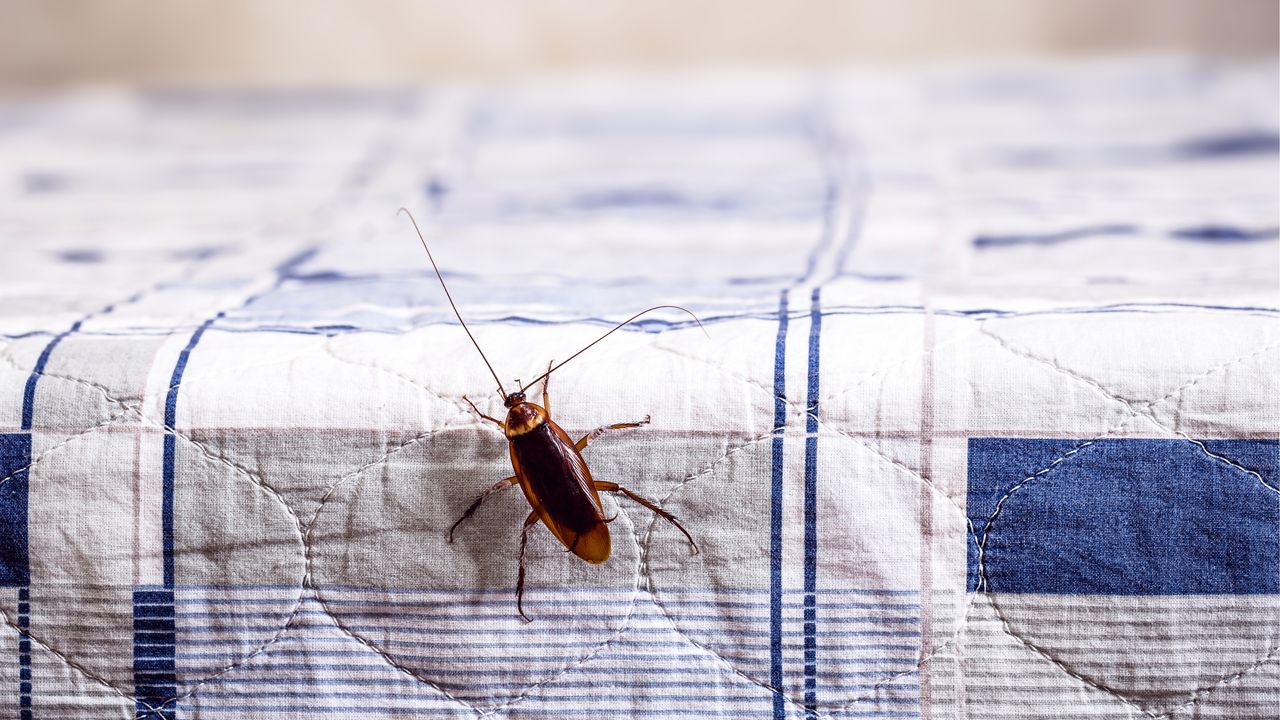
(388, 41)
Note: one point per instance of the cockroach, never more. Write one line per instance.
(548, 463)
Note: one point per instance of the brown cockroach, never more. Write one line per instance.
(548, 463)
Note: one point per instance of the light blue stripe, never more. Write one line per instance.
(568, 602)
(525, 644)
(614, 653)
(388, 710)
(543, 694)
(581, 589)
(463, 625)
(875, 681)
(458, 616)
(891, 666)
(189, 639)
(626, 639)
(667, 601)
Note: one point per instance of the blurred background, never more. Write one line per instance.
(249, 42)
(137, 130)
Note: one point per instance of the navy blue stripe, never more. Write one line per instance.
(153, 625)
(15, 461)
(16, 560)
(170, 446)
(24, 653)
(155, 661)
(162, 597)
(166, 506)
(171, 401)
(29, 393)
(154, 632)
(775, 513)
(283, 271)
(18, 484)
(811, 514)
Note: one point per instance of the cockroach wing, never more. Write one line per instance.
(558, 485)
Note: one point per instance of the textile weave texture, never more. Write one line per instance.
(985, 421)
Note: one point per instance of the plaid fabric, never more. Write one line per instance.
(985, 422)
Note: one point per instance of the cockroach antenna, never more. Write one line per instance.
(452, 304)
(616, 328)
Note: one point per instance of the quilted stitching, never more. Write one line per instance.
(1135, 412)
(867, 423)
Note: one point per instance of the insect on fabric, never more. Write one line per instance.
(548, 464)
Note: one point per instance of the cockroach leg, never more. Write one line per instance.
(582, 443)
(615, 487)
(524, 543)
(493, 420)
(500, 485)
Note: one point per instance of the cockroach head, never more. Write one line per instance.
(513, 399)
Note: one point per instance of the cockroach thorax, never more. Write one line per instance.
(524, 417)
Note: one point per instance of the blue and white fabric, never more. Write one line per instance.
(985, 422)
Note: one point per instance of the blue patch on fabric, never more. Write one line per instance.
(81, 256)
(15, 457)
(1259, 142)
(983, 242)
(154, 654)
(1125, 516)
(1225, 234)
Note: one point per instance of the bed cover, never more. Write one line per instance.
(984, 422)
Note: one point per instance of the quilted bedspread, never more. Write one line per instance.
(985, 421)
